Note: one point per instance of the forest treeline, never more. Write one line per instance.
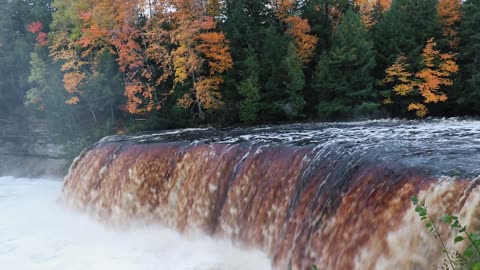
(94, 67)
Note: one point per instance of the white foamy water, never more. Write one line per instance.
(38, 233)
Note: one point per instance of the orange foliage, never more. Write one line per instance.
(180, 53)
(213, 46)
(367, 7)
(72, 80)
(437, 72)
(419, 108)
(304, 42)
(283, 8)
(298, 28)
(428, 82)
(449, 13)
(191, 50)
(62, 49)
(72, 101)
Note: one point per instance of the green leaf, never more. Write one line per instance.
(476, 266)
(429, 224)
(414, 200)
(456, 224)
(314, 267)
(458, 239)
(447, 219)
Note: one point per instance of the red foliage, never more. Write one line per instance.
(35, 27)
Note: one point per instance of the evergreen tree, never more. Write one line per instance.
(102, 91)
(275, 47)
(406, 27)
(242, 33)
(293, 83)
(343, 77)
(469, 97)
(404, 30)
(249, 90)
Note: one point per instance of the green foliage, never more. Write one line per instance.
(268, 83)
(470, 257)
(470, 57)
(293, 83)
(406, 27)
(38, 79)
(343, 80)
(249, 89)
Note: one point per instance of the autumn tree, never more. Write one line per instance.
(428, 83)
(185, 43)
(449, 13)
(370, 9)
(297, 28)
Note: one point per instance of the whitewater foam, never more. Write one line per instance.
(38, 232)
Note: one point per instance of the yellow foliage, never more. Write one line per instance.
(366, 8)
(180, 61)
(72, 101)
(420, 109)
(450, 16)
(399, 72)
(387, 101)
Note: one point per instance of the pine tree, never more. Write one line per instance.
(293, 83)
(249, 90)
(275, 47)
(343, 77)
(406, 27)
(469, 98)
(244, 35)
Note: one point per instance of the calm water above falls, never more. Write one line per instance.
(337, 195)
(37, 232)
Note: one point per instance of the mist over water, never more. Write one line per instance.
(38, 232)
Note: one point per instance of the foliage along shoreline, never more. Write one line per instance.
(93, 68)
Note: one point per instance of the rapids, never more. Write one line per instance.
(332, 194)
(37, 232)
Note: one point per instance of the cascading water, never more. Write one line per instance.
(335, 195)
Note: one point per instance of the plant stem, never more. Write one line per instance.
(437, 231)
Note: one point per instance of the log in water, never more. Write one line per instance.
(337, 195)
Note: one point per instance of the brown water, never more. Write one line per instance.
(337, 195)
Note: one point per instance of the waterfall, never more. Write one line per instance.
(334, 195)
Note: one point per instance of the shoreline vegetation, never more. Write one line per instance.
(88, 69)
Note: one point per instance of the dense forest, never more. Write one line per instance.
(96, 67)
